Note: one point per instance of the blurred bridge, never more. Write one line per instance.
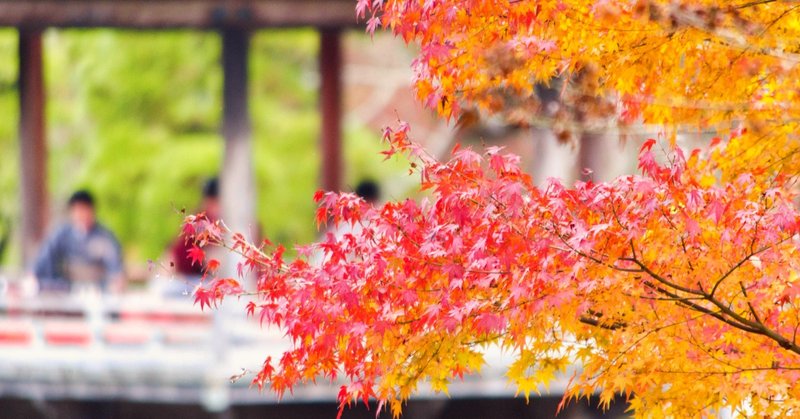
(147, 350)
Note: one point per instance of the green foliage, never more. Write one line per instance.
(134, 117)
(8, 133)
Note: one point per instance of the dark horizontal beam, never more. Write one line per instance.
(166, 14)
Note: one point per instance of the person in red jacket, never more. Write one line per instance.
(180, 248)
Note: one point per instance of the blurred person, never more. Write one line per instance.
(179, 251)
(81, 253)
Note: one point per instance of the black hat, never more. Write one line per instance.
(368, 190)
(211, 188)
(81, 197)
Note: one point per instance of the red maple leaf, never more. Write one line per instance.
(196, 255)
(206, 297)
(212, 266)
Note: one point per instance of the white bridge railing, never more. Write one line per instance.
(141, 347)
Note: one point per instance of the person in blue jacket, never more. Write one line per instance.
(81, 253)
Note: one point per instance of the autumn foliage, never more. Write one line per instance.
(677, 287)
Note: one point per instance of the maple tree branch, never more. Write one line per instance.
(753, 3)
(737, 371)
(661, 279)
(667, 298)
(733, 318)
(711, 354)
(595, 322)
(761, 328)
(688, 303)
(739, 321)
(733, 268)
(749, 305)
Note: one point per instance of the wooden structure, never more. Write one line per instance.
(234, 20)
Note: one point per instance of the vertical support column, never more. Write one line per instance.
(32, 145)
(603, 154)
(591, 157)
(552, 158)
(330, 70)
(237, 179)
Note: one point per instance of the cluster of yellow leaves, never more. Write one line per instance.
(670, 350)
(669, 62)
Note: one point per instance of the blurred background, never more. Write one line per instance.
(134, 116)
(141, 103)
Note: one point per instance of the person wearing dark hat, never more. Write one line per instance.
(369, 190)
(81, 253)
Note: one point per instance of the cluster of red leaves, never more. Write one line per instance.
(586, 274)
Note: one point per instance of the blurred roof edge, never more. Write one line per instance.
(169, 14)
